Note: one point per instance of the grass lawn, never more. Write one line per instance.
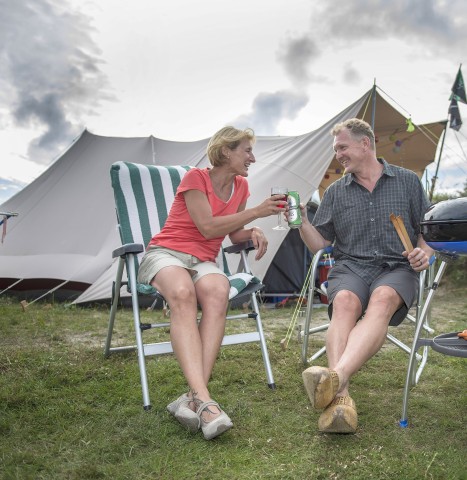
(68, 413)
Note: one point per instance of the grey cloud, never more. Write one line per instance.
(296, 55)
(351, 75)
(435, 26)
(438, 24)
(269, 109)
(50, 67)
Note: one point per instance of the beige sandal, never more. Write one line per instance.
(215, 427)
(180, 409)
(321, 385)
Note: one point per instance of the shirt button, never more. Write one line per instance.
(371, 203)
(372, 219)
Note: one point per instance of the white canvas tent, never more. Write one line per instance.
(66, 227)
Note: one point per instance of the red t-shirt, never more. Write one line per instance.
(180, 233)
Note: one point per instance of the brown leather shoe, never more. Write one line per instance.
(321, 385)
(340, 417)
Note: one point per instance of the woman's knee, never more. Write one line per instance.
(213, 291)
(217, 285)
(181, 295)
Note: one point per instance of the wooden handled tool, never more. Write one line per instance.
(401, 231)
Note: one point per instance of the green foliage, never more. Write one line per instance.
(68, 413)
(441, 196)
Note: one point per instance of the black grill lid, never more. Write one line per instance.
(446, 221)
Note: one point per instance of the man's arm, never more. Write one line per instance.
(310, 236)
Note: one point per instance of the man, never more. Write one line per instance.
(372, 274)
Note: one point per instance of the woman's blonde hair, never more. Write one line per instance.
(228, 137)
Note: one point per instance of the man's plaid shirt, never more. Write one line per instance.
(358, 222)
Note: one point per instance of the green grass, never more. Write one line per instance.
(68, 413)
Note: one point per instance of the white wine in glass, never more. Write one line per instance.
(284, 192)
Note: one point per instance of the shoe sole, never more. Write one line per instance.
(318, 386)
(219, 430)
(338, 425)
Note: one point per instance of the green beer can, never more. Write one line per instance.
(295, 214)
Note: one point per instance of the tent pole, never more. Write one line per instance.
(47, 293)
(433, 180)
(373, 107)
(11, 286)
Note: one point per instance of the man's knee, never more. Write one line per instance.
(386, 296)
(348, 303)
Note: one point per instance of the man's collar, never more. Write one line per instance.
(387, 170)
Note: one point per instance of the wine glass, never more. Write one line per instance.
(280, 191)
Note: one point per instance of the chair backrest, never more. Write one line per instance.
(143, 197)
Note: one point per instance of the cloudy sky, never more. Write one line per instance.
(180, 70)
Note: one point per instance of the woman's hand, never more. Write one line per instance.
(260, 242)
(271, 206)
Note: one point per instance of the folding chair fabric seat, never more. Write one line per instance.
(143, 197)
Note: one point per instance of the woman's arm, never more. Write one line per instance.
(212, 227)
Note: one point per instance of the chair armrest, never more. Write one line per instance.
(127, 248)
(238, 247)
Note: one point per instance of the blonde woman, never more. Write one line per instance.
(210, 203)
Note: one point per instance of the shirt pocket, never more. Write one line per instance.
(345, 215)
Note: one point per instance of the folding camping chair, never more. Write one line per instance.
(143, 197)
(421, 317)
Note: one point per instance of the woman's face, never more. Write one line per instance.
(242, 157)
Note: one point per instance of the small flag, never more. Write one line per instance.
(455, 117)
(410, 125)
(458, 89)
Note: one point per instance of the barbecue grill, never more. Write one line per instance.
(444, 227)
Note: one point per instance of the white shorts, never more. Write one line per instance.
(156, 258)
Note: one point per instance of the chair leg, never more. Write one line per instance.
(262, 341)
(309, 307)
(244, 266)
(403, 422)
(114, 305)
(139, 338)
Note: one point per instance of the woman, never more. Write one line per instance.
(210, 203)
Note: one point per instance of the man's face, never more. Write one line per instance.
(349, 151)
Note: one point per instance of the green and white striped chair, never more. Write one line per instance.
(143, 197)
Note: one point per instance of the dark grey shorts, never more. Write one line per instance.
(401, 280)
